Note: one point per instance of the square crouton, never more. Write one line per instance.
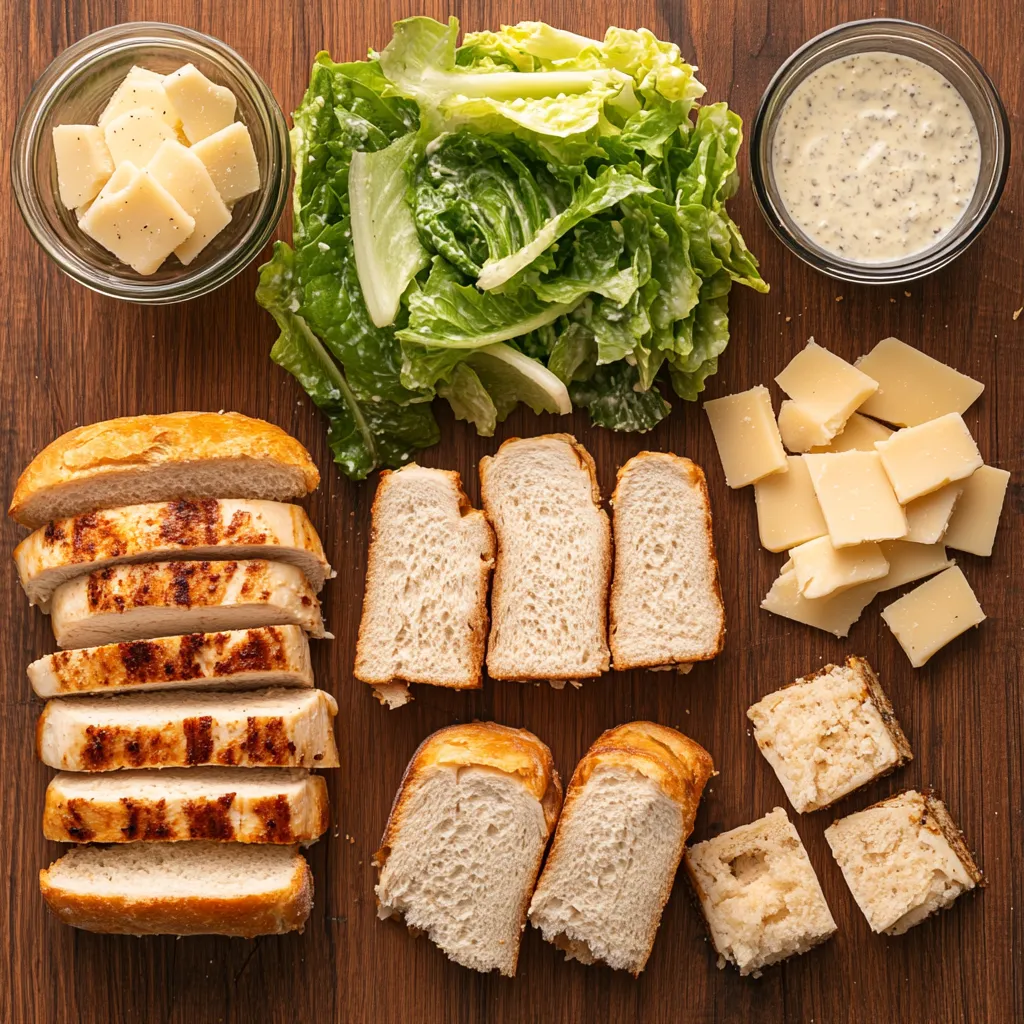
(759, 894)
(904, 859)
(829, 734)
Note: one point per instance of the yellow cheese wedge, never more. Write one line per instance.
(186, 178)
(140, 88)
(787, 510)
(136, 135)
(140, 223)
(747, 436)
(822, 569)
(933, 614)
(856, 498)
(910, 562)
(912, 387)
(204, 108)
(859, 435)
(976, 517)
(800, 429)
(83, 162)
(921, 459)
(928, 517)
(231, 160)
(826, 390)
(834, 614)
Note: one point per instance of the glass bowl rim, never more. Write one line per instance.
(917, 265)
(53, 81)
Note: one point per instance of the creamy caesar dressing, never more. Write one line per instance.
(876, 156)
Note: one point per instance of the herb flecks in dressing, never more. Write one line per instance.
(876, 157)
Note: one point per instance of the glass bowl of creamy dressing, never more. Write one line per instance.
(879, 151)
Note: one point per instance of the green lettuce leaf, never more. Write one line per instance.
(613, 401)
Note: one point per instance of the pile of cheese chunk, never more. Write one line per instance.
(159, 171)
(862, 507)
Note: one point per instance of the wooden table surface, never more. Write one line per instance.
(68, 357)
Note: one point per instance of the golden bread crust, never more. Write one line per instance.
(699, 482)
(133, 443)
(246, 916)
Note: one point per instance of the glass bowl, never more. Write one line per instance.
(74, 90)
(963, 72)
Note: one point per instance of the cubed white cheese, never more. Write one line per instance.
(231, 160)
(976, 517)
(140, 223)
(859, 435)
(204, 108)
(136, 135)
(184, 175)
(928, 516)
(747, 436)
(787, 509)
(140, 88)
(921, 459)
(83, 162)
(835, 614)
(856, 498)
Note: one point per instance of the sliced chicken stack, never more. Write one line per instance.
(182, 588)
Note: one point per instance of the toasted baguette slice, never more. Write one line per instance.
(181, 889)
(236, 660)
(425, 605)
(131, 602)
(666, 604)
(465, 840)
(174, 530)
(179, 455)
(173, 730)
(247, 805)
(550, 600)
(628, 812)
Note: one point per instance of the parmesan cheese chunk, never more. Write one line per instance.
(859, 435)
(919, 460)
(204, 108)
(912, 387)
(140, 223)
(933, 614)
(911, 562)
(976, 517)
(826, 390)
(83, 162)
(140, 88)
(787, 510)
(822, 569)
(856, 498)
(835, 614)
(747, 436)
(136, 135)
(928, 516)
(186, 178)
(231, 160)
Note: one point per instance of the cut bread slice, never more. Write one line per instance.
(628, 812)
(181, 889)
(235, 660)
(210, 528)
(247, 805)
(829, 733)
(286, 728)
(169, 457)
(425, 605)
(465, 840)
(761, 900)
(549, 605)
(904, 859)
(132, 602)
(666, 603)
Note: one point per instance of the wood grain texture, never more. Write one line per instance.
(68, 357)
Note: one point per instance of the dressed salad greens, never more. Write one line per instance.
(532, 216)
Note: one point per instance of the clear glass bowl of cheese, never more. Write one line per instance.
(842, 141)
(75, 88)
